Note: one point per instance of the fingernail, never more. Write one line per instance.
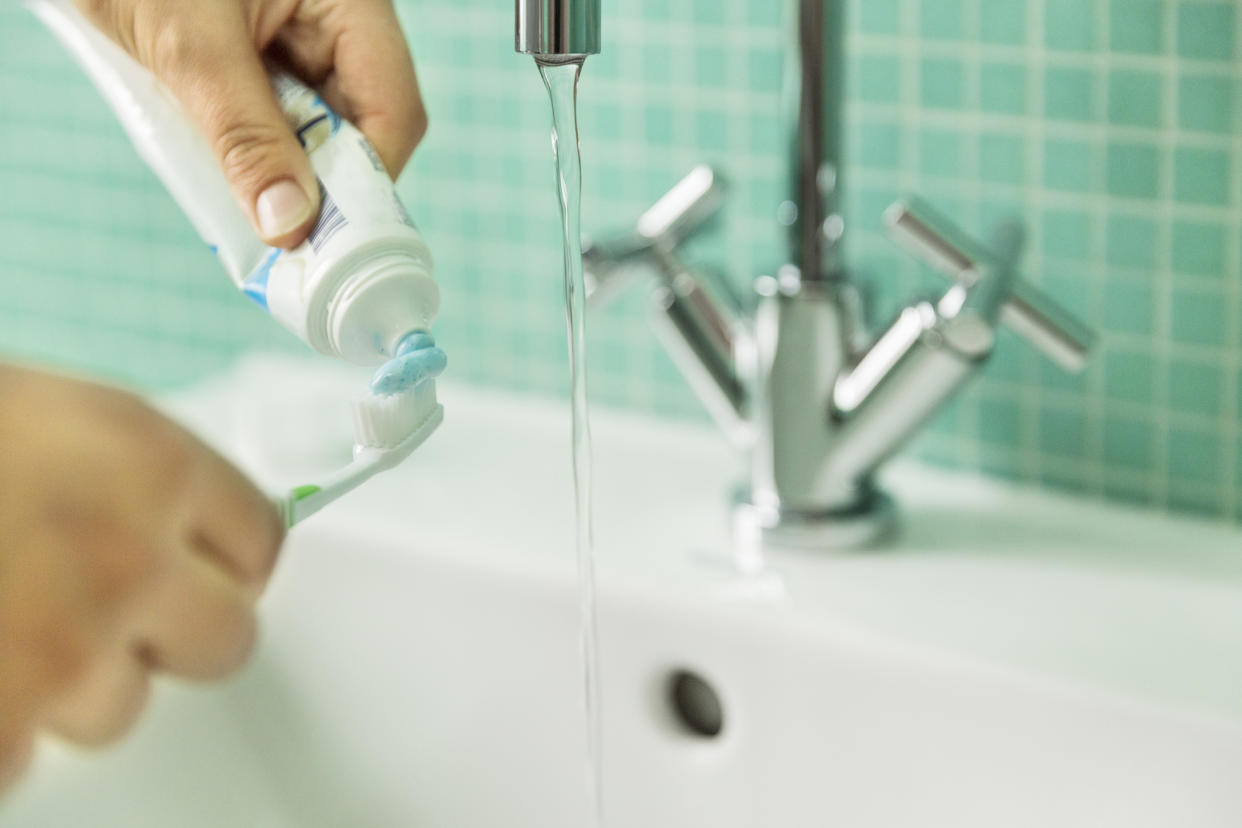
(282, 208)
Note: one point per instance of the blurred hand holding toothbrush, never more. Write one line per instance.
(127, 547)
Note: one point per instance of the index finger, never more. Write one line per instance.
(374, 84)
(234, 522)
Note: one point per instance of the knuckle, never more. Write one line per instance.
(256, 550)
(248, 151)
(181, 48)
(251, 553)
(268, 539)
(173, 50)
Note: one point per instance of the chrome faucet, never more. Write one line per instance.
(557, 31)
(790, 374)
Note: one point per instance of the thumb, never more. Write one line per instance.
(221, 82)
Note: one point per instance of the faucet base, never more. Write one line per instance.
(755, 527)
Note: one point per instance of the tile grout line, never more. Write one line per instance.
(1097, 239)
(1233, 324)
(1163, 273)
(1030, 394)
(970, 444)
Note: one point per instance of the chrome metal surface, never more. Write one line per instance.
(685, 207)
(871, 522)
(555, 30)
(813, 126)
(923, 368)
(817, 406)
(609, 264)
(701, 329)
(855, 386)
(1028, 311)
(703, 338)
(800, 337)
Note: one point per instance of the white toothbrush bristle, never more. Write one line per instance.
(384, 421)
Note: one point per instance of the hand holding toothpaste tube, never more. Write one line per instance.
(212, 58)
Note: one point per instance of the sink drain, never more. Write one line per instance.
(695, 704)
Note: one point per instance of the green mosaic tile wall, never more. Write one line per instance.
(1110, 125)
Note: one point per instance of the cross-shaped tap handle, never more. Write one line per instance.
(679, 214)
(1028, 311)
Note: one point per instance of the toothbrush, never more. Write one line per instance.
(387, 429)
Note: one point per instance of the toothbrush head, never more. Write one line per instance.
(396, 424)
(387, 429)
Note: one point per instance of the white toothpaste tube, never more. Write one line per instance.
(357, 286)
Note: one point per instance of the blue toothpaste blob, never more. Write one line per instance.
(417, 360)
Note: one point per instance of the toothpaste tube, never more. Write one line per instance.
(362, 281)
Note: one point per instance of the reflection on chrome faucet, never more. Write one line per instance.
(793, 382)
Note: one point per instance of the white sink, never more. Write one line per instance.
(1015, 659)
